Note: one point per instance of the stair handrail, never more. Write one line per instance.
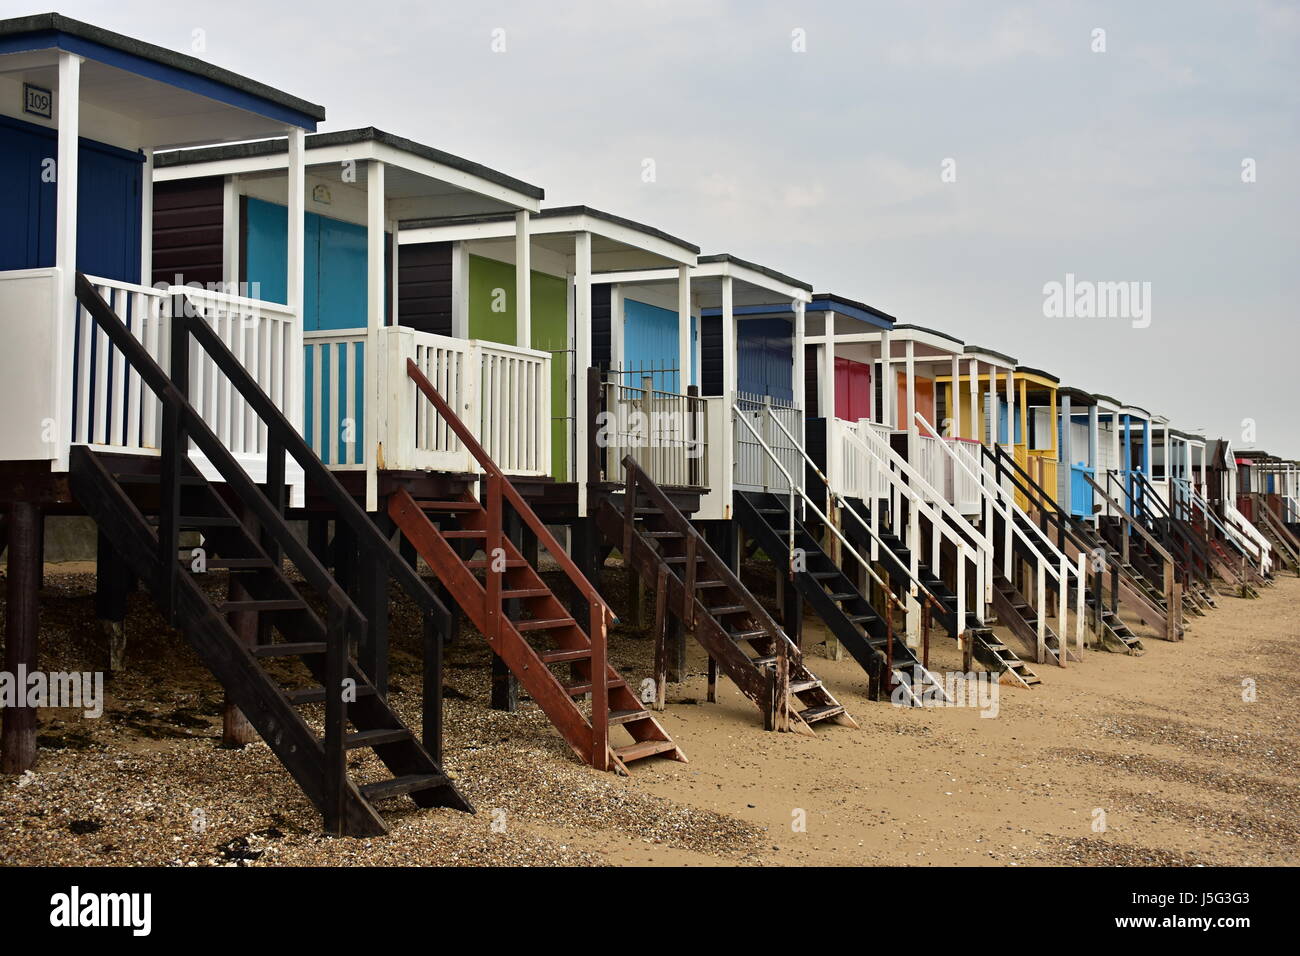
(1015, 473)
(637, 478)
(1004, 503)
(499, 487)
(1262, 546)
(983, 548)
(1198, 501)
(1161, 509)
(889, 596)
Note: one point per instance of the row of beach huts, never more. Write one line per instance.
(221, 328)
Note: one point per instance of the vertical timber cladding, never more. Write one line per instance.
(188, 222)
(492, 318)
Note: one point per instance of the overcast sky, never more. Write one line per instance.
(828, 164)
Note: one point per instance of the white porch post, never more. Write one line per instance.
(888, 416)
(684, 344)
(973, 386)
(912, 430)
(394, 271)
(582, 359)
(146, 219)
(459, 291)
(617, 326)
(730, 358)
(826, 399)
(826, 375)
(523, 282)
(296, 232)
(1011, 409)
(65, 251)
(995, 406)
(954, 413)
(797, 347)
(1094, 425)
(375, 209)
(913, 616)
(230, 238)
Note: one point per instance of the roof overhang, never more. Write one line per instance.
(418, 180)
(752, 286)
(149, 96)
(617, 244)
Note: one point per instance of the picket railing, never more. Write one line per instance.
(930, 462)
(334, 370)
(514, 407)
(960, 484)
(501, 393)
(666, 433)
(113, 412)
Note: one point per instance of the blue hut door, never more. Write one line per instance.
(764, 366)
(108, 203)
(650, 344)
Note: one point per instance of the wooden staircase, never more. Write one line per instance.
(1285, 545)
(892, 668)
(545, 635)
(1015, 613)
(292, 631)
(692, 582)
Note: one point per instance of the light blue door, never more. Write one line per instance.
(650, 344)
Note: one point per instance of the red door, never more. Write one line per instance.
(852, 389)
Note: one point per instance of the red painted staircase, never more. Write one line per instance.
(545, 635)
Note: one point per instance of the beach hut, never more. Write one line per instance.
(125, 402)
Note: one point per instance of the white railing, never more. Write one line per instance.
(514, 420)
(666, 432)
(854, 472)
(502, 393)
(334, 415)
(961, 486)
(1252, 541)
(755, 467)
(931, 463)
(999, 498)
(111, 408)
(113, 411)
(261, 335)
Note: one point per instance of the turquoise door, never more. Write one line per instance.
(334, 299)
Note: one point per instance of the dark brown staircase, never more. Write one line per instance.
(700, 590)
(986, 646)
(294, 632)
(545, 635)
(892, 668)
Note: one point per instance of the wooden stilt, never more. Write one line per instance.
(372, 588)
(22, 624)
(112, 582)
(505, 688)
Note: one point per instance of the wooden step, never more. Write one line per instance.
(642, 749)
(407, 783)
(680, 559)
(824, 712)
(463, 534)
(207, 521)
(375, 738)
(483, 564)
(709, 585)
(579, 689)
(448, 507)
(316, 695)
(234, 607)
(520, 594)
(234, 564)
(563, 655)
(747, 635)
(543, 624)
(723, 609)
(627, 716)
(798, 687)
(662, 534)
(289, 649)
